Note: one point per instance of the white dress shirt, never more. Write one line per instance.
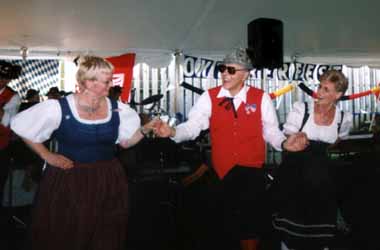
(200, 113)
(39, 121)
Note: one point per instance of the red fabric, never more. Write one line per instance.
(357, 95)
(5, 133)
(249, 244)
(6, 96)
(5, 136)
(236, 141)
(123, 72)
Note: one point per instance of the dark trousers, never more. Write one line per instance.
(243, 202)
(4, 169)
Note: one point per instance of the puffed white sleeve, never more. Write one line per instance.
(271, 131)
(38, 122)
(129, 121)
(198, 120)
(294, 118)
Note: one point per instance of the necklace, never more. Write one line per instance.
(87, 108)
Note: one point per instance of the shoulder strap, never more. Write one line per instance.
(65, 108)
(115, 115)
(341, 120)
(113, 105)
(305, 116)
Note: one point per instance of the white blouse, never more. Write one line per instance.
(39, 121)
(328, 134)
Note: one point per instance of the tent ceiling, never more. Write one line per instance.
(311, 28)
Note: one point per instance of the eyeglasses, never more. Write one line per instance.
(231, 70)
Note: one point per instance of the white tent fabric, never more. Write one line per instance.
(329, 30)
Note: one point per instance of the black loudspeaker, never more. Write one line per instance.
(265, 43)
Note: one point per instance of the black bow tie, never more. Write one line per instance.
(228, 102)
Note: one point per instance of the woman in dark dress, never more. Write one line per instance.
(305, 190)
(82, 199)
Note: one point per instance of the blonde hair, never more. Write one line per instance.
(91, 66)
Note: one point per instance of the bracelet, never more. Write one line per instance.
(145, 134)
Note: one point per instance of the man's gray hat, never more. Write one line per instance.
(238, 56)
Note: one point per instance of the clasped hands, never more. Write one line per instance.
(159, 128)
(296, 142)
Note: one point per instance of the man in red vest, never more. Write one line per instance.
(9, 104)
(241, 119)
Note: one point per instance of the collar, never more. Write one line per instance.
(240, 97)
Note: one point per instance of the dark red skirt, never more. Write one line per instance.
(81, 208)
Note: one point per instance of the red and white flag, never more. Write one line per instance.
(123, 73)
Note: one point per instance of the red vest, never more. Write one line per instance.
(6, 96)
(5, 132)
(236, 140)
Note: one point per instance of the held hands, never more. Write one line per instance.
(296, 142)
(149, 126)
(162, 129)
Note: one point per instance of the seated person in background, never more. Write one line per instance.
(32, 97)
(53, 93)
(304, 190)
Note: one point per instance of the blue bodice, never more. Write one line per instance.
(86, 143)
